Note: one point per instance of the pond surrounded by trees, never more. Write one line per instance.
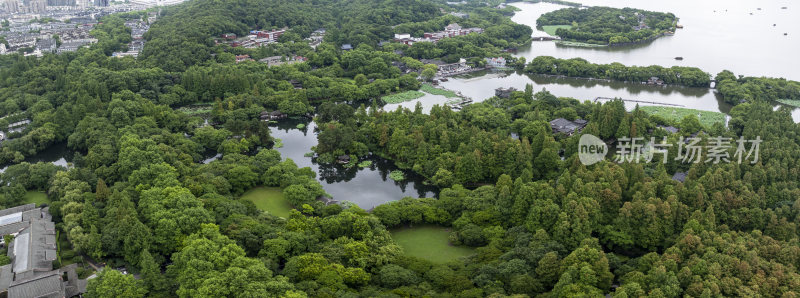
(367, 187)
(57, 154)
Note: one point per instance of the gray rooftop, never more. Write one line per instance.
(10, 218)
(670, 129)
(32, 253)
(679, 176)
(21, 251)
(561, 125)
(6, 276)
(47, 285)
(20, 208)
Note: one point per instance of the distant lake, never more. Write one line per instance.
(717, 35)
(481, 86)
(712, 41)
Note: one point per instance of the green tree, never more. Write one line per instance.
(210, 264)
(429, 71)
(112, 283)
(151, 273)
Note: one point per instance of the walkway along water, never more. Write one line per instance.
(639, 101)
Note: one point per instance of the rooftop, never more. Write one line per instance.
(32, 252)
(679, 176)
(561, 125)
(670, 129)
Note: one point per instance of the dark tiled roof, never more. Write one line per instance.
(17, 209)
(32, 254)
(679, 176)
(48, 285)
(670, 129)
(6, 277)
(562, 125)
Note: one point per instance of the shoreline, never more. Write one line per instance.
(612, 81)
(579, 44)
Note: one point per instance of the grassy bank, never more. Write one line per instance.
(269, 199)
(428, 88)
(36, 197)
(429, 242)
(790, 102)
(196, 109)
(707, 119)
(402, 96)
(579, 44)
(551, 29)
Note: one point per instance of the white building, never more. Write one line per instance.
(151, 3)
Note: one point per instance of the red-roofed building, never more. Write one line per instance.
(242, 58)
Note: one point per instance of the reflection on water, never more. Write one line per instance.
(717, 35)
(794, 111)
(57, 154)
(796, 115)
(481, 86)
(367, 187)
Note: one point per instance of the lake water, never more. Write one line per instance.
(480, 86)
(367, 187)
(710, 40)
(717, 35)
(57, 154)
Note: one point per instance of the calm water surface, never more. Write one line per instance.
(717, 35)
(367, 187)
(481, 86)
(713, 39)
(57, 154)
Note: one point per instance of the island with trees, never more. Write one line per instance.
(606, 26)
(653, 75)
(736, 90)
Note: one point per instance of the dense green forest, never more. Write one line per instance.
(184, 37)
(542, 224)
(741, 89)
(608, 26)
